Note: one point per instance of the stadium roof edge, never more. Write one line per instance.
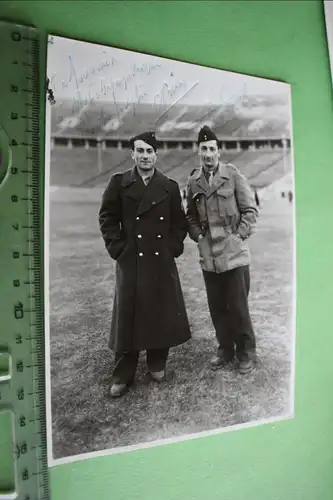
(170, 139)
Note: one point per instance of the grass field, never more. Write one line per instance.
(193, 398)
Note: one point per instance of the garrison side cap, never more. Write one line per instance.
(148, 137)
(206, 134)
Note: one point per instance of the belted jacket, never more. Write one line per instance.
(224, 214)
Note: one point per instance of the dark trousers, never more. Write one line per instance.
(227, 295)
(127, 362)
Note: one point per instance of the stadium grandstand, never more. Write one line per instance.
(90, 140)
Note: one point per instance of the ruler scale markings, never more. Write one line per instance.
(39, 298)
(25, 391)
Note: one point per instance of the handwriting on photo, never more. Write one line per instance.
(177, 89)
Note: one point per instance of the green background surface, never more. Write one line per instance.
(285, 40)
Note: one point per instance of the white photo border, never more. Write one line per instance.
(52, 462)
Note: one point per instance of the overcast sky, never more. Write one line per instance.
(84, 70)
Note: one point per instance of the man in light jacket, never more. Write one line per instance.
(221, 213)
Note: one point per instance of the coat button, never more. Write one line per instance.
(137, 218)
(162, 218)
(156, 253)
(139, 235)
(140, 254)
(159, 236)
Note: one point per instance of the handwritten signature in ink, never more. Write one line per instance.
(174, 89)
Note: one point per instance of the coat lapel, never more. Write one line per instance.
(201, 185)
(219, 179)
(133, 185)
(154, 193)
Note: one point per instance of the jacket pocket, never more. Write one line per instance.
(237, 244)
(227, 202)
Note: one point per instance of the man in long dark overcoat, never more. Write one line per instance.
(143, 225)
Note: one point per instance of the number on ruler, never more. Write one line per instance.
(18, 311)
(15, 89)
(19, 366)
(21, 449)
(13, 143)
(19, 339)
(16, 255)
(25, 474)
(20, 394)
(14, 198)
(14, 170)
(16, 36)
(14, 116)
(22, 421)
(16, 283)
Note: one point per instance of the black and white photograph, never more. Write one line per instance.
(170, 250)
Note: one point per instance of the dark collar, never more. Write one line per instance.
(149, 196)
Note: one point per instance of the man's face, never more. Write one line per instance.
(209, 153)
(144, 155)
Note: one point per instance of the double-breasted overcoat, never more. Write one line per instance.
(144, 228)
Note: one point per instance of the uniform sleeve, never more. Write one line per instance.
(178, 222)
(247, 205)
(194, 228)
(109, 217)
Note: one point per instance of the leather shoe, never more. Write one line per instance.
(220, 362)
(118, 390)
(246, 366)
(158, 376)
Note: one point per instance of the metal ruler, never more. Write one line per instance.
(22, 383)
